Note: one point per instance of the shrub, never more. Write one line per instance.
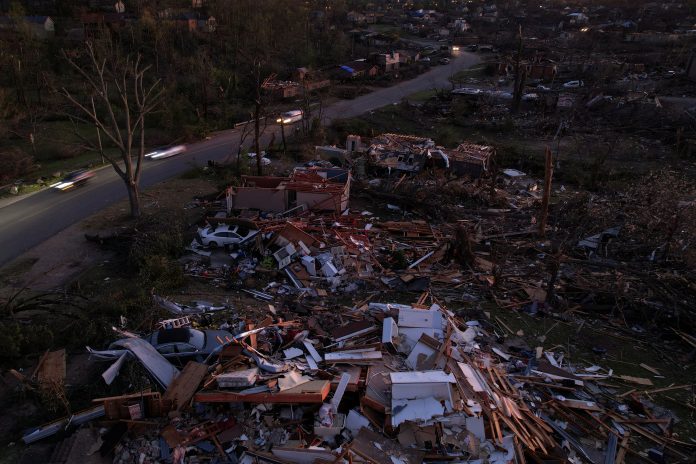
(161, 272)
(15, 163)
(157, 241)
(160, 234)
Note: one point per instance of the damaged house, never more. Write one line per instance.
(409, 153)
(317, 189)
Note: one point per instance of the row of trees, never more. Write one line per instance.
(154, 74)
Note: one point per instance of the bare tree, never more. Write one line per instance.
(116, 102)
(256, 73)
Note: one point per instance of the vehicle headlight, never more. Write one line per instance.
(279, 120)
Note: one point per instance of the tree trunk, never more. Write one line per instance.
(520, 77)
(257, 145)
(553, 266)
(548, 174)
(282, 134)
(133, 198)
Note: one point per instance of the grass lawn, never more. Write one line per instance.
(423, 95)
(477, 71)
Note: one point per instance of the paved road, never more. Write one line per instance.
(29, 221)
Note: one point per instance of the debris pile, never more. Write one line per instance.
(306, 377)
(414, 382)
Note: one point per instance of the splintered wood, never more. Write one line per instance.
(51, 369)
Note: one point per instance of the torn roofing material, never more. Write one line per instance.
(156, 364)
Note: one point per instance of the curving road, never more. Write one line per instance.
(28, 221)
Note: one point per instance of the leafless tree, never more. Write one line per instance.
(117, 100)
(256, 73)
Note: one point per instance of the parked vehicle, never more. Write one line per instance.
(166, 152)
(185, 342)
(225, 235)
(444, 61)
(74, 179)
(573, 84)
(290, 116)
(471, 48)
(543, 88)
(264, 160)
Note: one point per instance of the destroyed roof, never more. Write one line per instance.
(474, 151)
(402, 141)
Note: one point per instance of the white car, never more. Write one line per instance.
(290, 116)
(224, 235)
(166, 152)
(573, 84)
(264, 161)
(74, 179)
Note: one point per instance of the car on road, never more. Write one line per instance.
(467, 91)
(166, 152)
(225, 235)
(543, 88)
(573, 84)
(74, 179)
(444, 61)
(290, 116)
(186, 342)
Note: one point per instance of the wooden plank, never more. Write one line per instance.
(496, 428)
(184, 386)
(143, 393)
(675, 387)
(623, 447)
(651, 369)
(312, 392)
(638, 380)
(580, 404)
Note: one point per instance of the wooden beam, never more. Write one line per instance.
(314, 392)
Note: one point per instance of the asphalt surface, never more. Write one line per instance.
(26, 222)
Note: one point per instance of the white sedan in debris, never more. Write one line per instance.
(166, 152)
(224, 235)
